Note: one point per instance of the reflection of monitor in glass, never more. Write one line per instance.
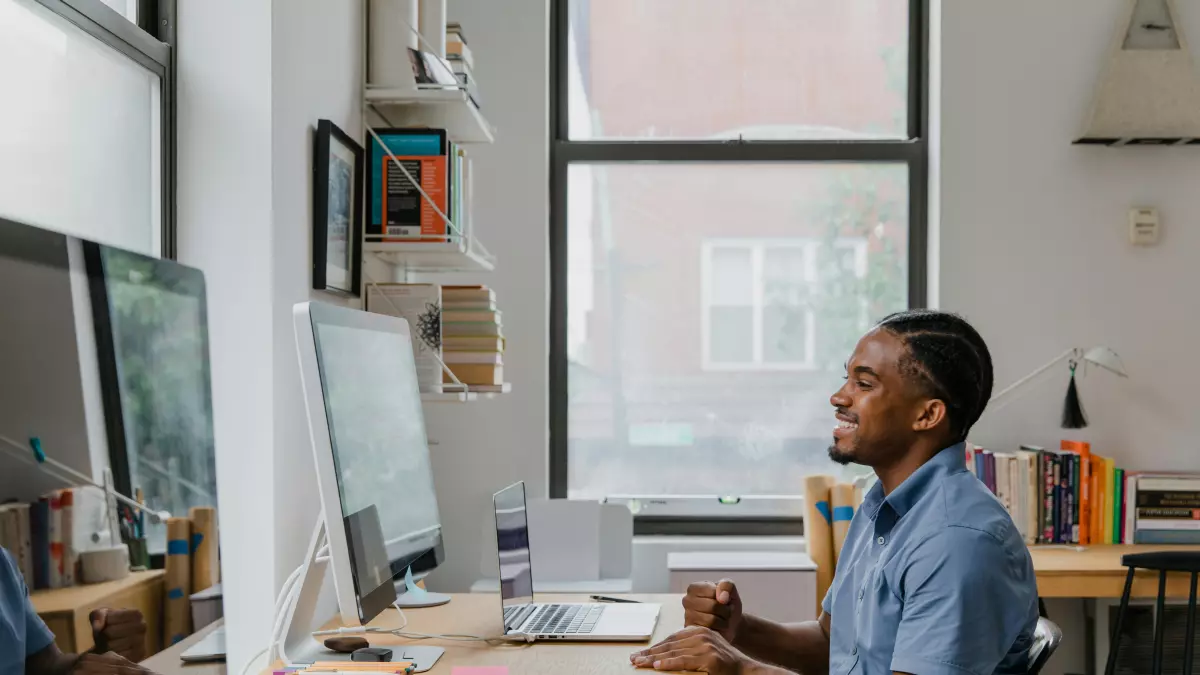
(368, 435)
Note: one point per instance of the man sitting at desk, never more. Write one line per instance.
(933, 578)
(27, 645)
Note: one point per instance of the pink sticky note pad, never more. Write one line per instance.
(487, 670)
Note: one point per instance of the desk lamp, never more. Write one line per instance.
(1073, 416)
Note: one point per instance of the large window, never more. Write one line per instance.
(85, 129)
(738, 191)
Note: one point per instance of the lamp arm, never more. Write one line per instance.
(1024, 380)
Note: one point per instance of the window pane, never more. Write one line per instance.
(79, 153)
(785, 335)
(788, 69)
(732, 330)
(732, 276)
(657, 248)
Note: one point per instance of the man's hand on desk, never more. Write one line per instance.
(121, 631)
(700, 649)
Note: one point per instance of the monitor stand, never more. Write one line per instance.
(412, 596)
(300, 647)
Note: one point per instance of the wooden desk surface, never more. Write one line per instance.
(479, 614)
(1097, 572)
(167, 661)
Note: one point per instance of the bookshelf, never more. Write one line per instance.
(435, 106)
(464, 254)
(446, 108)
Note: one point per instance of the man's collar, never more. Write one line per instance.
(948, 461)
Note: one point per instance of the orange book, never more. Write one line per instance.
(1086, 496)
(407, 215)
(1096, 481)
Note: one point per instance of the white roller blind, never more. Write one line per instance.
(79, 132)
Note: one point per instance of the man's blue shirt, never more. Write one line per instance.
(22, 631)
(933, 579)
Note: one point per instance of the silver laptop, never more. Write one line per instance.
(584, 622)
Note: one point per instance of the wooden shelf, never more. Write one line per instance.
(449, 109)
(416, 256)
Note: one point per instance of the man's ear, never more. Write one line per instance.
(931, 413)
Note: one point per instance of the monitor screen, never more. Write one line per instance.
(377, 432)
(512, 543)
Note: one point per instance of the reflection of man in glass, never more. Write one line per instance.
(27, 645)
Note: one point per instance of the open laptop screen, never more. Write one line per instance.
(512, 543)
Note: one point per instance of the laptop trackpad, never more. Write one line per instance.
(634, 620)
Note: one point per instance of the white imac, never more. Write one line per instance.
(380, 512)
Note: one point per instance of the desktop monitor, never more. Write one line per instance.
(371, 452)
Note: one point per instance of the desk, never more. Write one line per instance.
(167, 661)
(1097, 572)
(479, 614)
(66, 610)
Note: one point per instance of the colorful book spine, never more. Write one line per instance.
(70, 557)
(1118, 500)
(1048, 498)
(56, 540)
(39, 535)
(1085, 496)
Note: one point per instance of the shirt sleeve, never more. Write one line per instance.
(966, 601)
(37, 634)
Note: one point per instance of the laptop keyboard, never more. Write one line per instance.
(564, 619)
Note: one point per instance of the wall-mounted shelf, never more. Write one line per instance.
(450, 109)
(465, 396)
(461, 255)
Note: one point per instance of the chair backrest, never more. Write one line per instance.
(1046, 637)
(1162, 562)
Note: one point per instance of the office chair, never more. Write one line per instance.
(1046, 637)
(1163, 562)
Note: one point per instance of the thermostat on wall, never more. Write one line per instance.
(1143, 226)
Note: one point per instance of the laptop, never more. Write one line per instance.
(582, 622)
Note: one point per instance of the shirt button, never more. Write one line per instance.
(880, 541)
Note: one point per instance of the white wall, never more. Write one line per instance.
(1033, 239)
(1033, 232)
(317, 56)
(225, 229)
(483, 447)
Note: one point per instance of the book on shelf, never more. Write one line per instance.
(1074, 495)
(40, 537)
(420, 305)
(452, 344)
(398, 210)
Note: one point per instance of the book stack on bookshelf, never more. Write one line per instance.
(398, 210)
(473, 337)
(40, 539)
(1064, 496)
(1167, 508)
(462, 62)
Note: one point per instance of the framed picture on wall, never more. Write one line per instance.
(337, 211)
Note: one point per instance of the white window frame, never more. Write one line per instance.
(758, 248)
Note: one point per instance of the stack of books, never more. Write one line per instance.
(462, 62)
(1166, 508)
(473, 337)
(40, 539)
